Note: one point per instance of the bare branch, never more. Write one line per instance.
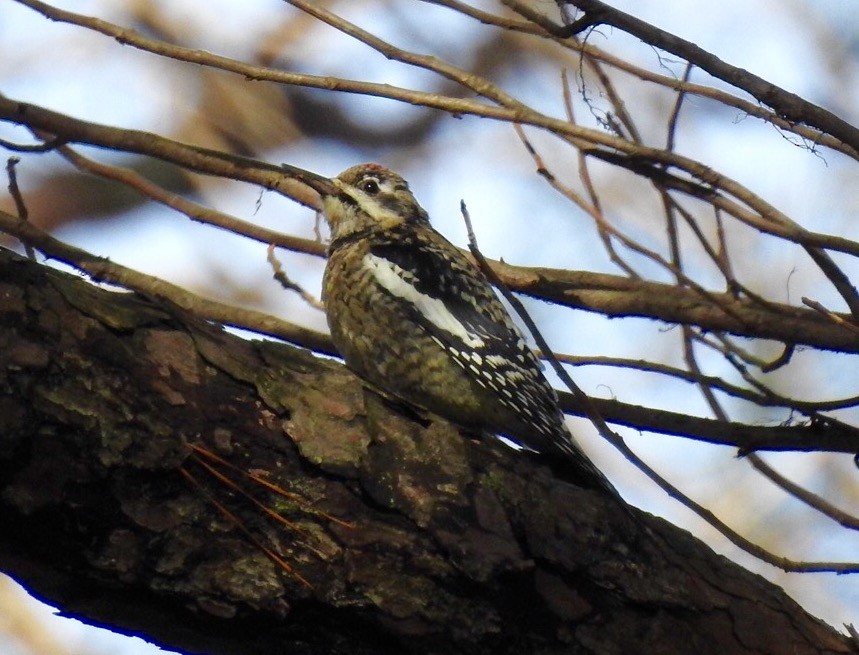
(787, 105)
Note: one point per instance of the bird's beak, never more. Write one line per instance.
(322, 185)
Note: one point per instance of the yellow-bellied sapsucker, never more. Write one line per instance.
(417, 319)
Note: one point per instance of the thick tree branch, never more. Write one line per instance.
(453, 545)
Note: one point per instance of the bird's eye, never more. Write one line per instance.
(370, 186)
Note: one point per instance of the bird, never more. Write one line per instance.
(415, 318)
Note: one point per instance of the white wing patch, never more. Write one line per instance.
(393, 278)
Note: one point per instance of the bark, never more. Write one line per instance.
(453, 545)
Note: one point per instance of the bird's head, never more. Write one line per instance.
(369, 197)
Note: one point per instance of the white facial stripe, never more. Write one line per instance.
(391, 277)
(371, 206)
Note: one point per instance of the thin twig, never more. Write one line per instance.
(784, 103)
(609, 230)
(832, 316)
(613, 96)
(585, 176)
(675, 112)
(45, 146)
(811, 499)
(20, 205)
(281, 276)
(838, 279)
(196, 212)
(761, 396)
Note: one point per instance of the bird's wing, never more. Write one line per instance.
(450, 299)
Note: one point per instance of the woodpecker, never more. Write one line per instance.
(417, 319)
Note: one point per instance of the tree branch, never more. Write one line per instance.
(616, 296)
(611, 295)
(788, 105)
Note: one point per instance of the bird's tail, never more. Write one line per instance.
(571, 462)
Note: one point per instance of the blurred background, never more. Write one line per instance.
(809, 47)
